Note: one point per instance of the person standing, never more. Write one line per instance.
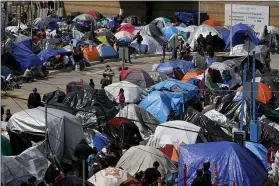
(151, 175)
(139, 39)
(92, 84)
(275, 168)
(207, 173)
(121, 98)
(164, 52)
(104, 81)
(199, 180)
(109, 73)
(34, 99)
(2, 112)
(8, 115)
(181, 48)
(209, 41)
(246, 37)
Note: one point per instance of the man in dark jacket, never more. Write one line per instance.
(207, 173)
(201, 41)
(151, 175)
(199, 180)
(209, 41)
(2, 113)
(34, 99)
(139, 39)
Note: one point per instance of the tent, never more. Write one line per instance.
(18, 169)
(45, 55)
(191, 91)
(132, 92)
(259, 150)
(234, 163)
(48, 23)
(95, 139)
(90, 53)
(96, 15)
(150, 43)
(144, 120)
(61, 125)
(155, 32)
(21, 50)
(140, 78)
(183, 132)
(238, 32)
(168, 67)
(191, 74)
(126, 27)
(211, 22)
(145, 157)
(170, 152)
(84, 17)
(132, 19)
(169, 31)
(124, 36)
(161, 103)
(161, 22)
(158, 76)
(106, 51)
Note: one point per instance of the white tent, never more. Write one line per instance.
(143, 119)
(61, 126)
(84, 17)
(153, 45)
(204, 30)
(139, 158)
(187, 133)
(132, 92)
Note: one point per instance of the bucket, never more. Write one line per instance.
(77, 67)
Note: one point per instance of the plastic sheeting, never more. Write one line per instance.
(217, 117)
(144, 120)
(170, 31)
(161, 22)
(132, 92)
(61, 125)
(96, 139)
(106, 51)
(54, 97)
(183, 132)
(152, 45)
(155, 32)
(234, 163)
(259, 150)
(16, 169)
(48, 53)
(139, 158)
(270, 132)
(168, 67)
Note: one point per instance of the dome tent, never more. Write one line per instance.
(106, 51)
(152, 45)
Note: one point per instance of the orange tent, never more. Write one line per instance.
(170, 152)
(190, 75)
(90, 55)
(264, 93)
(212, 23)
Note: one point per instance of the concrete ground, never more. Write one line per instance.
(60, 79)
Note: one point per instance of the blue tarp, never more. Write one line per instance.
(99, 141)
(168, 67)
(125, 39)
(169, 31)
(23, 54)
(107, 51)
(234, 163)
(209, 60)
(48, 53)
(5, 71)
(191, 91)
(160, 103)
(190, 18)
(259, 150)
(77, 42)
(112, 24)
(238, 32)
(143, 47)
(48, 24)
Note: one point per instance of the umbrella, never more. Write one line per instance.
(263, 93)
(84, 17)
(127, 27)
(112, 176)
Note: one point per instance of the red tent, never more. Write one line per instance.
(127, 27)
(124, 73)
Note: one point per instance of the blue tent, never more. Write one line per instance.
(238, 32)
(209, 60)
(191, 91)
(99, 141)
(77, 42)
(169, 31)
(168, 67)
(234, 163)
(259, 150)
(107, 51)
(48, 53)
(5, 71)
(160, 103)
(22, 53)
(48, 23)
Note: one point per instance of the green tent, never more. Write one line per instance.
(6, 148)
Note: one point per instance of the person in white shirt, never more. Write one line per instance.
(275, 168)
(28, 74)
(48, 34)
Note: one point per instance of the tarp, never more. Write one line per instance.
(61, 125)
(238, 32)
(95, 139)
(158, 76)
(144, 120)
(6, 148)
(152, 45)
(168, 67)
(270, 132)
(140, 78)
(132, 92)
(124, 36)
(211, 22)
(259, 150)
(155, 32)
(234, 163)
(190, 18)
(161, 103)
(183, 132)
(16, 169)
(48, 53)
(169, 31)
(48, 23)
(106, 51)
(191, 91)
(139, 158)
(161, 22)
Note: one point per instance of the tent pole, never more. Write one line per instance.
(83, 172)
(19, 18)
(31, 25)
(243, 97)
(199, 16)
(231, 29)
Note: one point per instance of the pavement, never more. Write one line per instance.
(59, 79)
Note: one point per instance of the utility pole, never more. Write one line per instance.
(243, 96)
(231, 29)
(31, 25)
(199, 16)
(19, 18)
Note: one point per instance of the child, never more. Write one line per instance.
(121, 98)
(104, 81)
(92, 84)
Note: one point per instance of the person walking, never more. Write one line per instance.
(34, 99)
(109, 73)
(121, 98)
(8, 115)
(181, 48)
(92, 84)
(164, 52)
(151, 175)
(199, 180)
(209, 41)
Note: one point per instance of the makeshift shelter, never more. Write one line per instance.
(126, 27)
(132, 92)
(158, 76)
(191, 74)
(234, 163)
(54, 97)
(25, 124)
(132, 19)
(170, 31)
(169, 67)
(112, 24)
(106, 51)
(155, 32)
(45, 55)
(211, 22)
(124, 36)
(270, 132)
(182, 132)
(238, 32)
(112, 176)
(145, 157)
(18, 169)
(96, 139)
(144, 120)
(170, 152)
(259, 150)
(5, 71)
(140, 78)
(48, 23)
(148, 43)
(161, 22)
(90, 53)
(96, 15)
(75, 86)
(84, 17)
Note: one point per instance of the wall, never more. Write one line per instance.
(216, 10)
